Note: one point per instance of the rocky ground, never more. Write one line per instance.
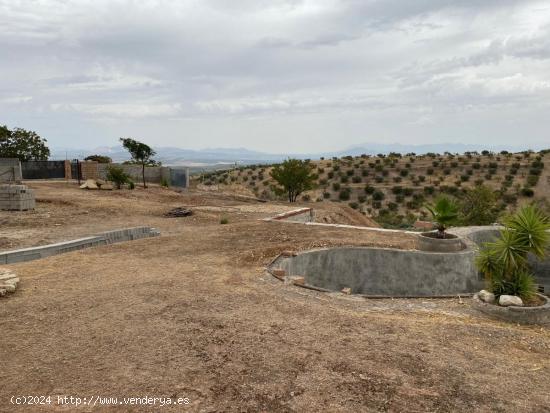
(193, 314)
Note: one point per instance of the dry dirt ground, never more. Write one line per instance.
(193, 314)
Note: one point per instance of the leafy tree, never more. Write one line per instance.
(479, 206)
(22, 144)
(99, 158)
(141, 154)
(444, 213)
(294, 176)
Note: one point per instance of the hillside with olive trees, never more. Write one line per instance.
(394, 189)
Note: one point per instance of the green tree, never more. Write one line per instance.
(141, 153)
(99, 158)
(478, 206)
(444, 213)
(22, 144)
(294, 176)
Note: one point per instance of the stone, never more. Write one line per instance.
(7, 276)
(10, 288)
(288, 254)
(295, 280)
(278, 272)
(89, 184)
(346, 291)
(3, 292)
(508, 300)
(106, 187)
(486, 296)
(100, 182)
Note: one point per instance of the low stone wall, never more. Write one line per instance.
(109, 237)
(385, 272)
(10, 170)
(522, 315)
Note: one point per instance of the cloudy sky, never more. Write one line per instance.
(277, 75)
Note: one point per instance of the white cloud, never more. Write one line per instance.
(343, 71)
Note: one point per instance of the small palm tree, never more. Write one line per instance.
(504, 262)
(444, 212)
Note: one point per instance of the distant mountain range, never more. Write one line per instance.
(223, 156)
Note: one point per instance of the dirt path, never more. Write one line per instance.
(192, 314)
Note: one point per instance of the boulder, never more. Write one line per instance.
(278, 272)
(107, 187)
(346, 291)
(508, 300)
(10, 288)
(89, 184)
(486, 296)
(100, 182)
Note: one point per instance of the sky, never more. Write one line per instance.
(278, 75)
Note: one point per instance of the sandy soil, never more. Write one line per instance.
(193, 314)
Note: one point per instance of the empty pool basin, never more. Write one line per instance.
(385, 272)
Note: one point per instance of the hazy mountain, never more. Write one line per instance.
(211, 156)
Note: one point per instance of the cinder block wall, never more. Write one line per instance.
(89, 170)
(16, 198)
(10, 170)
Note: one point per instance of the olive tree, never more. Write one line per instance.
(294, 177)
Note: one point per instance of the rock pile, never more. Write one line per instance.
(8, 282)
(97, 184)
(178, 212)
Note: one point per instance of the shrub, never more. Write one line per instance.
(361, 198)
(354, 205)
(478, 206)
(403, 172)
(117, 175)
(532, 180)
(344, 194)
(504, 262)
(528, 192)
(224, 220)
(356, 179)
(369, 189)
(430, 171)
(429, 190)
(131, 185)
(326, 195)
(378, 195)
(397, 189)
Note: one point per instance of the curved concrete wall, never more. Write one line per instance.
(391, 272)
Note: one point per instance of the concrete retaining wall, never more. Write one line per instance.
(109, 237)
(386, 272)
(10, 170)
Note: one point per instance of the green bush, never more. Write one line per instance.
(504, 262)
(224, 220)
(478, 206)
(117, 175)
(378, 195)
